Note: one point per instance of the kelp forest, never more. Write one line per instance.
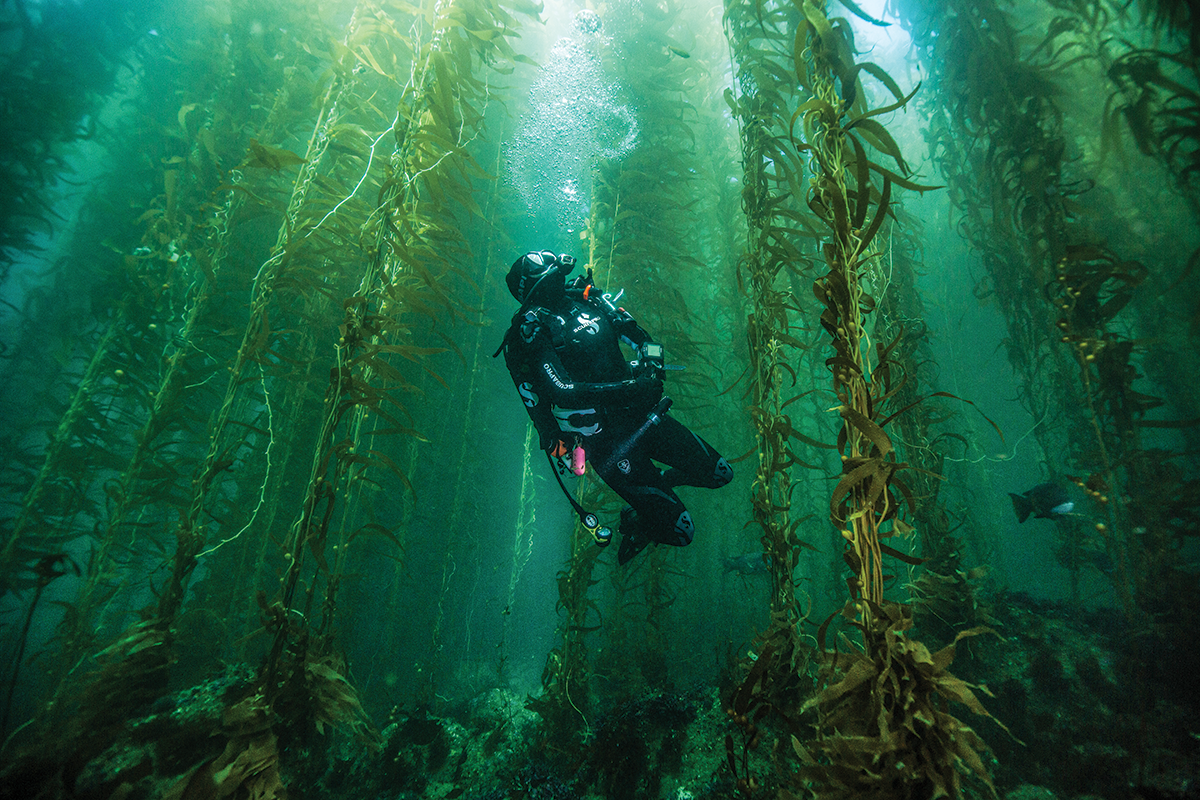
(274, 521)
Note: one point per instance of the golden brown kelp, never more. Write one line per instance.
(887, 730)
(188, 230)
(996, 132)
(522, 545)
(390, 259)
(176, 168)
(411, 242)
(944, 594)
(227, 433)
(646, 234)
(105, 421)
(867, 741)
(1144, 498)
(772, 191)
(1076, 356)
(1158, 102)
(33, 530)
(463, 522)
(566, 693)
(1178, 16)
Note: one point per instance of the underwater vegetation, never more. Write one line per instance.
(272, 524)
(60, 63)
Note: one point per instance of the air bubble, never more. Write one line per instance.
(588, 22)
(576, 120)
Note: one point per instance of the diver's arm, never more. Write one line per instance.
(644, 390)
(623, 322)
(567, 393)
(551, 379)
(522, 364)
(649, 352)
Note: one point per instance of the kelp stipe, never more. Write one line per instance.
(259, 374)
(60, 62)
(1084, 322)
(566, 699)
(665, 230)
(1065, 294)
(946, 593)
(831, 130)
(129, 379)
(468, 519)
(643, 236)
(522, 542)
(1155, 99)
(189, 230)
(48, 569)
(776, 226)
(226, 435)
(1179, 16)
(880, 674)
(1144, 501)
(411, 243)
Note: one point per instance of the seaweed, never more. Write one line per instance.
(832, 130)
(887, 702)
(48, 569)
(566, 697)
(58, 67)
(197, 392)
(1078, 309)
(1156, 99)
(637, 744)
(229, 398)
(1021, 222)
(777, 225)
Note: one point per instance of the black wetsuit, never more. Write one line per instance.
(578, 387)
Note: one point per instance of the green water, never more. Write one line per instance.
(266, 492)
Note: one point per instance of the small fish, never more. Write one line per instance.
(679, 52)
(1045, 501)
(749, 564)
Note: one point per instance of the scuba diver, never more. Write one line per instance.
(589, 404)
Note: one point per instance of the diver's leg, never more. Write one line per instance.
(658, 513)
(693, 461)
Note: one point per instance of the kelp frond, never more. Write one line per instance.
(887, 731)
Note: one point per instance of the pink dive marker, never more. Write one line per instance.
(577, 459)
